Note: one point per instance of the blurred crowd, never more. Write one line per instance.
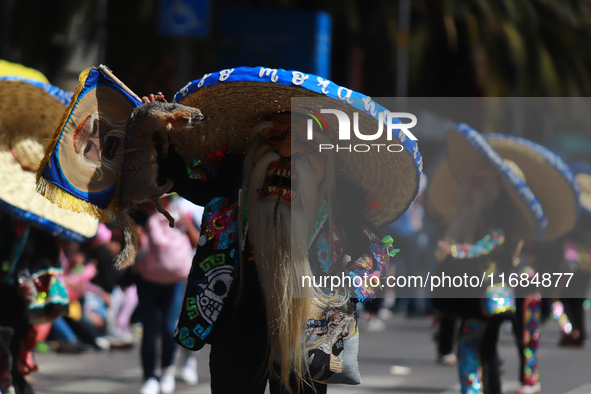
(106, 312)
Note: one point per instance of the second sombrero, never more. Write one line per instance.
(548, 176)
(27, 124)
(466, 150)
(237, 99)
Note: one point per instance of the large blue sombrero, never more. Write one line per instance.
(548, 176)
(237, 99)
(30, 110)
(466, 150)
(582, 171)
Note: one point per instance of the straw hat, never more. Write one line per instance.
(443, 190)
(548, 176)
(582, 171)
(466, 150)
(29, 113)
(237, 99)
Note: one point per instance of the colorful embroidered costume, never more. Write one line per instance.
(478, 359)
(215, 264)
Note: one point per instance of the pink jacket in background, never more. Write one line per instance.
(166, 254)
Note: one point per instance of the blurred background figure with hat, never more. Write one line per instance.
(486, 208)
(554, 185)
(577, 260)
(32, 292)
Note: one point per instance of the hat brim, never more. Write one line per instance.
(548, 176)
(584, 181)
(467, 149)
(33, 111)
(235, 100)
(19, 199)
(582, 171)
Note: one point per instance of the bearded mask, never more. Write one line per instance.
(286, 181)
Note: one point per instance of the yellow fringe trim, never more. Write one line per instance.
(65, 200)
(56, 194)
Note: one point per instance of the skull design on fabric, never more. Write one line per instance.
(215, 291)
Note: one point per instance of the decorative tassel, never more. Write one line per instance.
(65, 200)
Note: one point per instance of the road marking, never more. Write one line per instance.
(399, 370)
(368, 382)
(89, 386)
(584, 389)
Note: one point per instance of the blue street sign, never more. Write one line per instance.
(184, 18)
(276, 38)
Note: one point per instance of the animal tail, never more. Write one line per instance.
(126, 256)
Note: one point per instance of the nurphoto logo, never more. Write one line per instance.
(394, 126)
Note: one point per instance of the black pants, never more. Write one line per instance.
(573, 307)
(446, 334)
(240, 349)
(491, 367)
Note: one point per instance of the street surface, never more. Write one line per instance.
(400, 359)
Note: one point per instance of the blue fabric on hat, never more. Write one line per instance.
(61, 95)
(581, 167)
(310, 82)
(322, 87)
(47, 225)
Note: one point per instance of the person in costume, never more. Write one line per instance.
(273, 214)
(577, 260)
(487, 208)
(31, 290)
(557, 192)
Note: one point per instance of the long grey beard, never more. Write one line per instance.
(280, 232)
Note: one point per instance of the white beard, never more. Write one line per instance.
(279, 234)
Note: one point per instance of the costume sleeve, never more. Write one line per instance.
(369, 255)
(199, 181)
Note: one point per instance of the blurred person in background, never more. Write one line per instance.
(481, 234)
(493, 188)
(187, 217)
(85, 322)
(535, 258)
(555, 187)
(31, 287)
(405, 232)
(163, 262)
(32, 267)
(577, 260)
(124, 300)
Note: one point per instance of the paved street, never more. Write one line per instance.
(400, 359)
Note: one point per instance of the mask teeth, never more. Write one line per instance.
(263, 191)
